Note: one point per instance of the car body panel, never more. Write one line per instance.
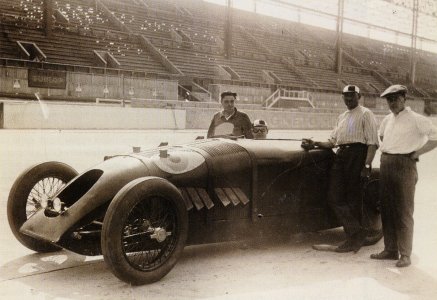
(232, 188)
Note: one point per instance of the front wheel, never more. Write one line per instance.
(144, 230)
(30, 193)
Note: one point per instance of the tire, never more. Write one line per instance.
(144, 230)
(34, 181)
(371, 212)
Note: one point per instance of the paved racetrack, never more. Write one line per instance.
(244, 270)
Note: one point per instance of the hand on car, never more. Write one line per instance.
(308, 144)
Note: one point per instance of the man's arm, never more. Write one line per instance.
(430, 145)
(211, 129)
(325, 145)
(371, 150)
(247, 128)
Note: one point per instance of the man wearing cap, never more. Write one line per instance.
(405, 135)
(355, 134)
(230, 121)
(259, 129)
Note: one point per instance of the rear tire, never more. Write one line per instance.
(371, 211)
(27, 196)
(144, 230)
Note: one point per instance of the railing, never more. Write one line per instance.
(13, 62)
(121, 102)
(272, 98)
(289, 95)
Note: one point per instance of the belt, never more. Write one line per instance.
(345, 146)
(400, 155)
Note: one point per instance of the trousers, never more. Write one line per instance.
(345, 189)
(398, 180)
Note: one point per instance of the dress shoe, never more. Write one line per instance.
(404, 261)
(346, 246)
(358, 240)
(394, 255)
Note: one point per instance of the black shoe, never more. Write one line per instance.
(404, 261)
(394, 255)
(346, 246)
(358, 240)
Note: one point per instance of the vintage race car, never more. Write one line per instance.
(141, 209)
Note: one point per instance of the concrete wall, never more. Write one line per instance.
(49, 115)
(198, 119)
(30, 115)
(92, 85)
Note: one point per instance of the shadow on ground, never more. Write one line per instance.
(246, 269)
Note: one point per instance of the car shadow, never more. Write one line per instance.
(251, 268)
(40, 263)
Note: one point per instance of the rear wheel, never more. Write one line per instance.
(144, 230)
(371, 212)
(30, 193)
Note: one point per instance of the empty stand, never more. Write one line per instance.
(267, 53)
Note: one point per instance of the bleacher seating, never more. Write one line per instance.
(190, 34)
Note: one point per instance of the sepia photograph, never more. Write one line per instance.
(218, 149)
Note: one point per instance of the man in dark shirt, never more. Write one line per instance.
(229, 121)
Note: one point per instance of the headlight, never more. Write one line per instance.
(57, 205)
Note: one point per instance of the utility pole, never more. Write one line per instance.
(228, 30)
(412, 78)
(339, 41)
(47, 17)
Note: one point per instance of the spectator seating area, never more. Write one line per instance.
(184, 39)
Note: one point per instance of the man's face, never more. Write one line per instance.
(259, 132)
(228, 103)
(351, 100)
(396, 103)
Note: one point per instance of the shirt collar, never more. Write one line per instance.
(222, 115)
(354, 109)
(406, 110)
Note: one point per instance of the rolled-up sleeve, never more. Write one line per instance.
(370, 129)
(427, 128)
(382, 126)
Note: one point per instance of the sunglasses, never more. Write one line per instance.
(256, 130)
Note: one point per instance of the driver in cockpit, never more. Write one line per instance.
(259, 129)
(230, 121)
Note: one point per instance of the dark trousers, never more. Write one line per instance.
(345, 190)
(398, 179)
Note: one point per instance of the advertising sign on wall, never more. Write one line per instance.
(47, 79)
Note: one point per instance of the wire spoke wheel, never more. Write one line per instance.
(43, 190)
(150, 233)
(30, 193)
(144, 230)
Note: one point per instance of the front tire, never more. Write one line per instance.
(30, 193)
(144, 230)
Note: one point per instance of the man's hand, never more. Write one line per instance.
(308, 144)
(365, 172)
(414, 156)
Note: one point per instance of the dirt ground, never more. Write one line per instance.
(239, 270)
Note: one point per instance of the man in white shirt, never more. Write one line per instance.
(355, 134)
(405, 135)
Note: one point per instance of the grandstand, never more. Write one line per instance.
(171, 50)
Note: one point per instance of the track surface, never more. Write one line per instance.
(244, 270)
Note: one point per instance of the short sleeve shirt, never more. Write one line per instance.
(406, 132)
